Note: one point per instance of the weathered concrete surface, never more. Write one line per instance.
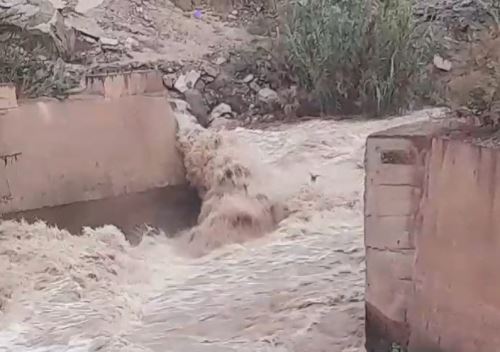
(8, 99)
(86, 149)
(457, 281)
(432, 233)
(395, 164)
(113, 86)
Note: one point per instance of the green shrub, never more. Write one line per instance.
(357, 55)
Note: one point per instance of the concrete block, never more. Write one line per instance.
(391, 200)
(388, 232)
(8, 99)
(112, 86)
(87, 149)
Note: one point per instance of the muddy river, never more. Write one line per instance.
(299, 288)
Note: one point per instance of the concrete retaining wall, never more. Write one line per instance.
(432, 230)
(117, 142)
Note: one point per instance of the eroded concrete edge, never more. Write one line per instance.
(395, 163)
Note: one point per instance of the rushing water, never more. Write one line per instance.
(298, 289)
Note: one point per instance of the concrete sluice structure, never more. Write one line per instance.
(432, 230)
(432, 212)
(107, 156)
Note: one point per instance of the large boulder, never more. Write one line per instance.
(35, 23)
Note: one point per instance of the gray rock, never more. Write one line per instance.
(187, 81)
(132, 44)
(248, 78)
(221, 110)
(198, 106)
(179, 105)
(184, 5)
(169, 80)
(109, 41)
(39, 21)
(268, 96)
(220, 60)
(254, 86)
(211, 70)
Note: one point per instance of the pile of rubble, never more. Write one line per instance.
(241, 86)
(47, 46)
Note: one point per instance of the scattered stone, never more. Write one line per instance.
(208, 79)
(442, 64)
(234, 12)
(184, 5)
(179, 105)
(211, 70)
(221, 60)
(187, 81)
(109, 41)
(249, 78)
(268, 96)
(254, 86)
(132, 44)
(169, 80)
(221, 110)
(200, 85)
(198, 106)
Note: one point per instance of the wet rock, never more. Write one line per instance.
(221, 110)
(268, 96)
(187, 81)
(223, 124)
(169, 80)
(179, 105)
(198, 106)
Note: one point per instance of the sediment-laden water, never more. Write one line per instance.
(299, 288)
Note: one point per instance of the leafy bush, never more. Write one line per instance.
(357, 55)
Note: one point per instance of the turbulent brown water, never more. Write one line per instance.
(298, 288)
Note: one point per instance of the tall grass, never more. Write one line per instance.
(357, 55)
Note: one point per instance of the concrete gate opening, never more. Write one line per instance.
(107, 156)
